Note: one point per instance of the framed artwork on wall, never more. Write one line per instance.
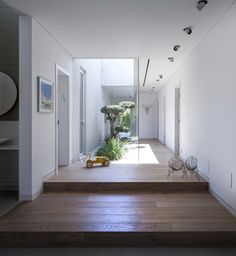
(45, 95)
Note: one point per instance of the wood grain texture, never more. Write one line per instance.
(128, 177)
(119, 219)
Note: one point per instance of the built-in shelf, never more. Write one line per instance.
(9, 147)
(2, 140)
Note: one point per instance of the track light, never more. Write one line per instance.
(201, 4)
(171, 59)
(188, 30)
(161, 76)
(176, 48)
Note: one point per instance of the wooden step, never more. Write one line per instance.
(124, 186)
(119, 219)
(117, 239)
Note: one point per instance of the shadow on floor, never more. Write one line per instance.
(8, 200)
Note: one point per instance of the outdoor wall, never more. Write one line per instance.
(148, 121)
(39, 54)
(117, 72)
(208, 108)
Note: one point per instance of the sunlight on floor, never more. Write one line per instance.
(138, 154)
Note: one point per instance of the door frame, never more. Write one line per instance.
(83, 71)
(164, 120)
(177, 120)
(59, 69)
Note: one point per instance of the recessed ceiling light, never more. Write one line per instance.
(201, 4)
(176, 47)
(171, 59)
(188, 30)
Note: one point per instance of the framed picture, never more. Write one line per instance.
(45, 95)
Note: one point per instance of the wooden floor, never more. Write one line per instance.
(127, 176)
(119, 209)
(119, 219)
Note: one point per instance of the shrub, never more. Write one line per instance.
(113, 148)
(125, 120)
(113, 114)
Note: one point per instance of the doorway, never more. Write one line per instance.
(82, 140)
(177, 121)
(62, 117)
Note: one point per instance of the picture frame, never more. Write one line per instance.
(45, 95)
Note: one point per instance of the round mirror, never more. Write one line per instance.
(8, 93)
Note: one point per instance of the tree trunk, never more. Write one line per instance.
(112, 129)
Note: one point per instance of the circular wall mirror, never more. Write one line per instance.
(8, 93)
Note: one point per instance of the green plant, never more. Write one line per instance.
(113, 148)
(113, 114)
(125, 120)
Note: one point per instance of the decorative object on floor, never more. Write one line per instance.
(8, 93)
(45, 95)
(191, 165)
(176, 164)
(97, 160)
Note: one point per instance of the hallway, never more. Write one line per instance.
(127, 175)
(119, 219)
(127, 171)
(122, 205)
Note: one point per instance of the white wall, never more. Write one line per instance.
(39, 53)
(94, 101)
(148, 121)
(117, 72)
(208, 107)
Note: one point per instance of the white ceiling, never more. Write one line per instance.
(127, 28)
(120, 91)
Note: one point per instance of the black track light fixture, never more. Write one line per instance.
(188, 30)
(171, 59)
(176, 47)
(201, 5)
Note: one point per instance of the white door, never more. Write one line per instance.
(63, 120)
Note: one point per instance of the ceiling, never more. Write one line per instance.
(127, 29)
(120, 91)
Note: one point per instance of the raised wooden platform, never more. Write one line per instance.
(123, 205)
(127, 176)
(119, 219)
(125, 186)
